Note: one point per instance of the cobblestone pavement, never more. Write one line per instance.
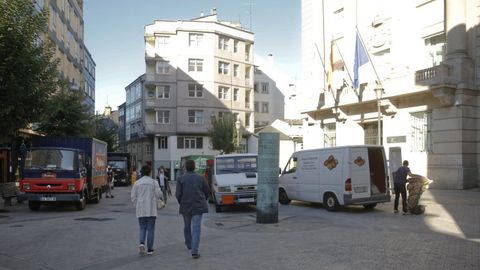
(103, 236)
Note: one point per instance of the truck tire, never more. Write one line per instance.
(82, 203)
(96, 198)
(369, 206)
(330, 202)
(282, 197)
(34, 206)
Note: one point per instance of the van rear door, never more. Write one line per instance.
(359, 172)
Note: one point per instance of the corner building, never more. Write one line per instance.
(425, 55)
(195, 70)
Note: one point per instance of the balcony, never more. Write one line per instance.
(433, 76)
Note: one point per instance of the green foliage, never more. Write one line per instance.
(28, 69)
(66, 115)
(223, 134)
(107, 131)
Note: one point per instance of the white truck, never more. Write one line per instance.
(336, 177)
(234, 180)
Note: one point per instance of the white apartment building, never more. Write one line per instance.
(195, 70)
(271, 88)
(423, 54)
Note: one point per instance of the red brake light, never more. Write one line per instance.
(348, 185)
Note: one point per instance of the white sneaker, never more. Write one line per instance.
(150, 252)
(141, 249)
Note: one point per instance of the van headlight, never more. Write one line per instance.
(224, 189)
(71, 186)
(26, 186)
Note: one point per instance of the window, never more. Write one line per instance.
(265, 88)
(371, 133)
(420, 132)
(195, 39)
(151, 93)
(264, 107)
(291, 166)
(247, 119)
(162, 41)
(223, 43)
(235, 46)
(236, 70)
(61, 30)
(148, 149)
(255, 87)
(163, 67)
(223, 93)
(235, 94)
(222, 115)
(247, 52)
(195, 65)
(195, 90)
(53, 19)
(190, 142)
(163, 91)
(195, 116)
(163, 117)
(223, 67)
(255, 106)
(162, 142)
(329, 135)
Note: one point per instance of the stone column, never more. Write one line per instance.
(455, 26)
(267, 188)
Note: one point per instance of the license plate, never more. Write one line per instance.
(241, 200)
(48, 199)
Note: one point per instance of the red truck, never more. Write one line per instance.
(64, 169)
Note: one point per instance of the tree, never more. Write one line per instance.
(66, 115)
(107, 131)
(223, 134)
(28, 69)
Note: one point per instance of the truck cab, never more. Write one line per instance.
(234, 180)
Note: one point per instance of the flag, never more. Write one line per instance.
(361, 58)
(330, 69)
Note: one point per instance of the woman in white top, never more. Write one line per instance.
(144, 195)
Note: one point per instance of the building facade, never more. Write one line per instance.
(89, 81)
(195, 70)
(122, 146)
(66, 31)
(418, 82)
(271, 88)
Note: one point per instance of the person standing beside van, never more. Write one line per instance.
(192, 192)
(399, 185)
(144, 195)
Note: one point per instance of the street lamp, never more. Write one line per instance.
(378, 93)
(237, 126)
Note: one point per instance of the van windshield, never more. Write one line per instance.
(239, 164)
(118, 164)
(51, 159)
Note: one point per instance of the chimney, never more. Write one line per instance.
(214, 11)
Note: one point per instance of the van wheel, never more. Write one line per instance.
(282, 197)
(369, 206)
(34, 206)
(330, 202)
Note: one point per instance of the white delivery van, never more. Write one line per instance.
(234, 180)
(336, 177)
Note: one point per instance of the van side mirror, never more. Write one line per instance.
(83, 172)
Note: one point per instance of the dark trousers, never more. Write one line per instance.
(400, 190)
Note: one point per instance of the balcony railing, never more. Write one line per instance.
(432, 76)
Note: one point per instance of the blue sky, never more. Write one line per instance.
(114, 35)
